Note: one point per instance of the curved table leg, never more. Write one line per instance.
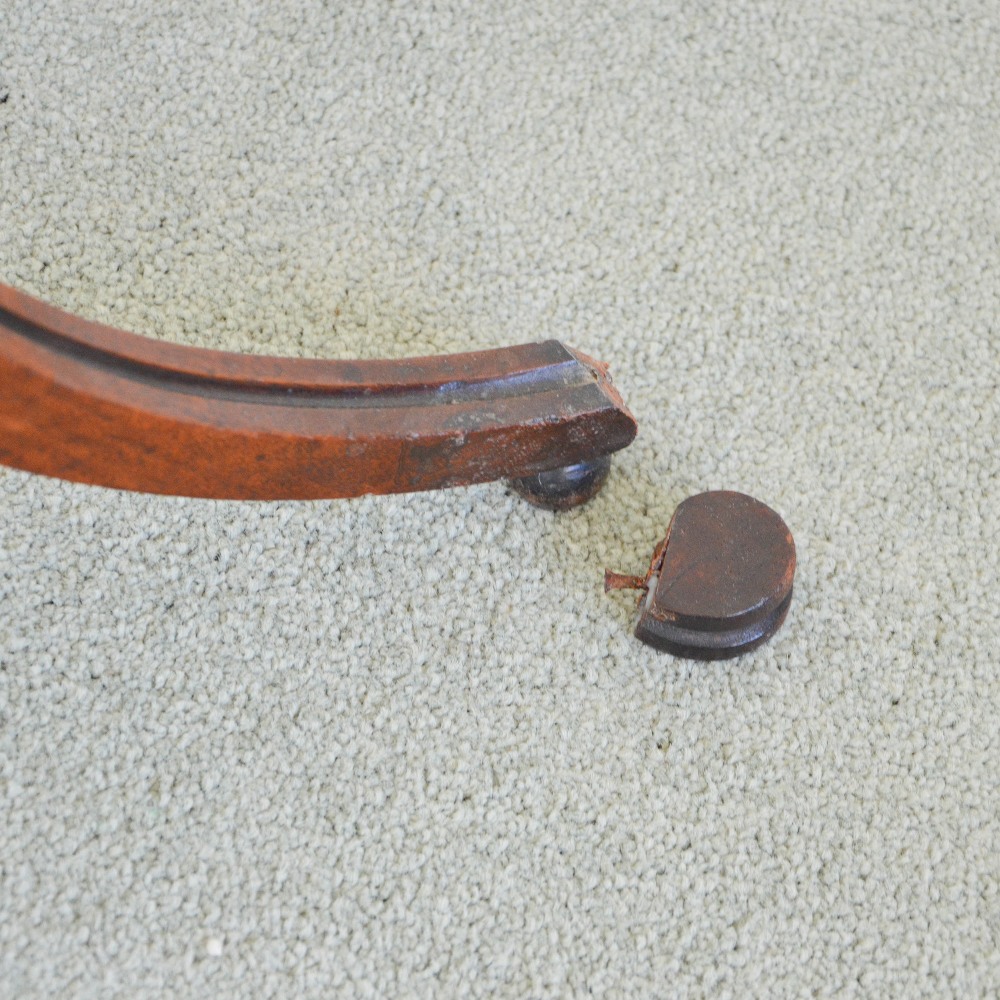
(93, 404)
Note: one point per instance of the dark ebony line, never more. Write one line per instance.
(556, 375)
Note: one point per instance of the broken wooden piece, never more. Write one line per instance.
(720, 583)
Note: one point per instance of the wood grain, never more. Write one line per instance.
(93, 404)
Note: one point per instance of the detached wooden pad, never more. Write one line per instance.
(721, 583)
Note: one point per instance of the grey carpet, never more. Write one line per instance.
(406, 746)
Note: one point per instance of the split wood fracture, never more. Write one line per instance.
(92, 404)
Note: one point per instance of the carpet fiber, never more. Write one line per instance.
(406, 746)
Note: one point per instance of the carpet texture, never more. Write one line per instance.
(406, 746)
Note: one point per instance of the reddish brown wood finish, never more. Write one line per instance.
(93, 404)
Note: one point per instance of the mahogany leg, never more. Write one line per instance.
(93, 404)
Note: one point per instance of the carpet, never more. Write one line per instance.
(406, 746)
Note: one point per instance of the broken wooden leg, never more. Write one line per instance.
(93, 404)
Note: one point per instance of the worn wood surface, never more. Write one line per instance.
(720, 582)
(92, 404)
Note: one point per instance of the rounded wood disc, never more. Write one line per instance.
(722, 583)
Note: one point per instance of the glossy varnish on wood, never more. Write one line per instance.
(93, 404)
